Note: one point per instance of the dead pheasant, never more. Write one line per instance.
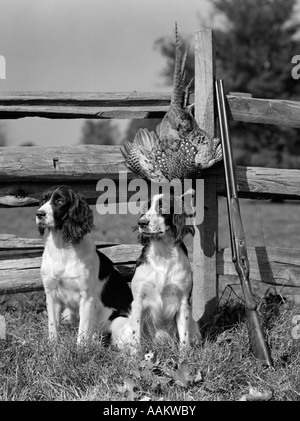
(139, 156)
(180, 148)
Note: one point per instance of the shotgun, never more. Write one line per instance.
(259, 346)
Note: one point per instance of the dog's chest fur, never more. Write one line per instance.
(69, 270)
(163, 278)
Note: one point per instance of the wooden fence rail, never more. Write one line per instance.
(20, 272)
(124, 105)
(26, 172)
(83, 166)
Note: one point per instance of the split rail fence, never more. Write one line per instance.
(31, 170)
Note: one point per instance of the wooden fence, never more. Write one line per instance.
(31, 170)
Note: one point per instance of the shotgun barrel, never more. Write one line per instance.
(259, 346)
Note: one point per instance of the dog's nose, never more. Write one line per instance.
(40, 214)
(142, 223)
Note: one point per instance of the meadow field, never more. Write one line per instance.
(220, 368)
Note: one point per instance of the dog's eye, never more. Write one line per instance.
(59, 201)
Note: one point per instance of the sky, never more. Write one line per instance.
(85, 46)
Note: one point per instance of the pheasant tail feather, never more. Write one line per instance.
(179, 73)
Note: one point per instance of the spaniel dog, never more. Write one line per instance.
(162, 282)
(77, 278)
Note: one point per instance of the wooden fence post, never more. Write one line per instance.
(205, 289)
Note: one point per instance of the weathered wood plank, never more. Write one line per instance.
(27, 280)
(205, 294)
(86, 163)
(277, 267)
(264, 111)
(91, 99)
(83, 166)
(269, 265)
(82, 162)
(13, 242)
(274, 266)
(84, 105)
(22, 274)
(138, 105)
(119, 254)
(64, 112)
(261, 181)
(32, 192)
(253, 182)
(22, 280)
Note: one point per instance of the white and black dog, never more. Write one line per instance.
(77, 278)
(162, 282)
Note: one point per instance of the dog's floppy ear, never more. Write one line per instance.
(78, 221)
(180, 227)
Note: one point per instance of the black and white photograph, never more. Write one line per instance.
(149, 203)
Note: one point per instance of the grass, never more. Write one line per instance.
(221, 368)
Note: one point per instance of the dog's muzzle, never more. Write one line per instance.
(143, 223)
(40, 217)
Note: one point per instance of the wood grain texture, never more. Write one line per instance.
(82, 162)
(11, 242)
(267, 182)
(86, 163)
(205, 292)
(88, 189)
(120, 254)
(29, 279)
(120, 105)
(264, 111)
(116, 105)
(273, 266)
(83, 166)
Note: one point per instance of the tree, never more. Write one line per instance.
(255, 46)
(100, 132)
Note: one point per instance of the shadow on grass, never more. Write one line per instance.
(231, 314)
